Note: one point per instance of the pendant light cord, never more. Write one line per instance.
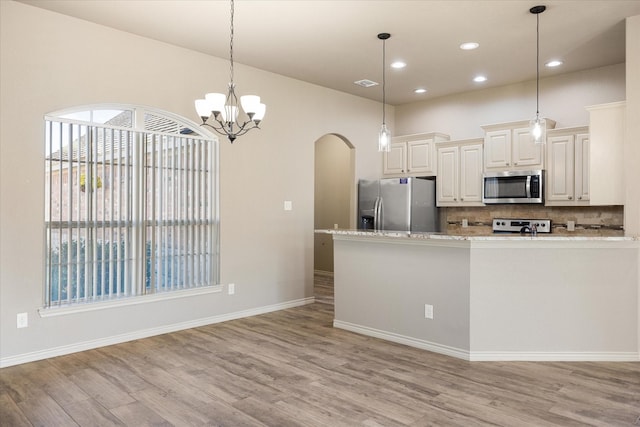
(537, 65)
(383, 80)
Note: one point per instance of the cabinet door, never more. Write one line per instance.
(420, 157)
(582, 167)
(525, 151)
(471, 174)
(395, 161)
(497, 149)
(447, 182)
(559, 179)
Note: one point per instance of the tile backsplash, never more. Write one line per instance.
(589, 220)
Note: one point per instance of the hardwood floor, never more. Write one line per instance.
(291, 368)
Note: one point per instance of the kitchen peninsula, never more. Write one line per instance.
(491, 297)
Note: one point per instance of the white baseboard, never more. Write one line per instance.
(402, 339)
(555, 356)
(497, 356)
(117, 339)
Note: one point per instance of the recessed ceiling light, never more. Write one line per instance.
(398, 64)
(479, 79)
(553, 63)
(469, 46)
(420, 90)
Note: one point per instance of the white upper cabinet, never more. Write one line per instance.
(508, 146)
(606, 153)
(459, 180)
(413, 155)
(395, 161)
(567, 173)
(447, 184)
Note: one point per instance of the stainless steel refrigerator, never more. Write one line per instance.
(398, 204)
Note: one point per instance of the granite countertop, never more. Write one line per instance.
(444, 236)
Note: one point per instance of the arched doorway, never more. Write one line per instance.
(334, 195)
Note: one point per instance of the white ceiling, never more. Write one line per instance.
(333, 43)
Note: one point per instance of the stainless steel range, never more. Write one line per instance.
(533, 226)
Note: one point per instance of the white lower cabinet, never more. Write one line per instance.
(567, 174)
(459, 180)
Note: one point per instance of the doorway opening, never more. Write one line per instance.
(334, 203)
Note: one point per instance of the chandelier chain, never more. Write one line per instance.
(231, 46)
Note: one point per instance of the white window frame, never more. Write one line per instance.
(168, 239)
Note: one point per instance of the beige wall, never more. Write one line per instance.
(562, 98)
(50, 61)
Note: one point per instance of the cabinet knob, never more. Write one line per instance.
(580, 198)
(515, 163)
(455, 199)
(507, 164)
(402, 170)
(462, 199)
(408, 170)
(570, 198)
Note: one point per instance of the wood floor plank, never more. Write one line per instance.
(10, 413)
(173, 410)
(100, 388)
(43, 410)
(292, 368)
(138, 414)
(91, 413)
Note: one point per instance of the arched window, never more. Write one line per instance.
(130, 204)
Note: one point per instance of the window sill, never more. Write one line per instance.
(142, 299)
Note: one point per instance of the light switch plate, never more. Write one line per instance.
(288, 205)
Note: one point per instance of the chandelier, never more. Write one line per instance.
(219, 111)
(538, 126)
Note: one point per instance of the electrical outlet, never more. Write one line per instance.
(231, 289)
(465, 223)
(428, 311)
(288, 205)
(571, 225)
(22, 320)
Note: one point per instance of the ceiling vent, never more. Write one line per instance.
(366, 83)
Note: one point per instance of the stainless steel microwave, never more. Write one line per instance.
(513, 187)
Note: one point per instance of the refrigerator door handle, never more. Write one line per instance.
(377, 221)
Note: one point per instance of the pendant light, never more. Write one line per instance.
(384, 137)
(538, 126)
(220, 112)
